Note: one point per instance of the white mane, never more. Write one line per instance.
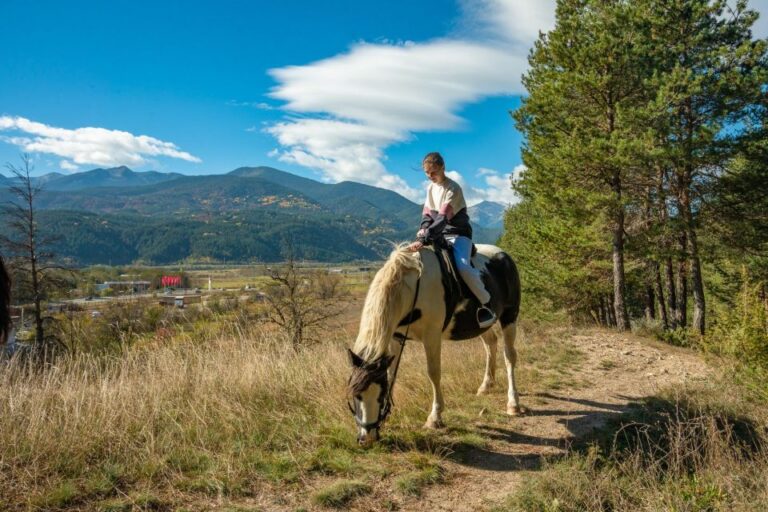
(383, 304)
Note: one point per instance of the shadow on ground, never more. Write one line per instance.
(650, 425)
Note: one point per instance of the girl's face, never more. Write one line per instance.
(436, 174)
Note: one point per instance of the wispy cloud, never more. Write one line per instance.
(89, 145)
(356, 104)
(260, 105)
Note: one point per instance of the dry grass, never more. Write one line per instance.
(688, 449)
(231, 415)
(200, 416)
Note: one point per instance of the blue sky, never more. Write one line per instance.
(333, 90)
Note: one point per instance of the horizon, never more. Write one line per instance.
(342, 92)
(85, 171)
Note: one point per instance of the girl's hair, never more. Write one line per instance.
(5, 303)
(434, 158)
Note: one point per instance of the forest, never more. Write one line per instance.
(644, 196)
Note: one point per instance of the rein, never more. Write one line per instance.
(401, 338)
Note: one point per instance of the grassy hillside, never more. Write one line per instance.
(218, 409)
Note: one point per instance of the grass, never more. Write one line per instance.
(607, 364)
(414, 482)
(231, 413)
(688, 449)
(340, 493)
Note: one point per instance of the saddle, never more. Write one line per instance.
(456, 289)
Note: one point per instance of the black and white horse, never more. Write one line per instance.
(412, 293)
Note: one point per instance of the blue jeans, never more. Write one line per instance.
(462, 252)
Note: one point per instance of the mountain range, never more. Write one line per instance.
(121, 216)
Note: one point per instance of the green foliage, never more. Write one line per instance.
(742, 329)
(645, 146)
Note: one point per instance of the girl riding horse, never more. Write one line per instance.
(411, 298)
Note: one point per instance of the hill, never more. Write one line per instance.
(113, 177)
(119, 215)
(345, 198)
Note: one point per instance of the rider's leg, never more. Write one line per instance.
(462, 251)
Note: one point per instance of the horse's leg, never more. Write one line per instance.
(510, 359)
(432, 347)
(490, 338)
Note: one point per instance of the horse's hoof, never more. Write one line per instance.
(484, 389)
(434, 425)
(516, 410)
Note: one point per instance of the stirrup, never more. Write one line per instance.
(485, 317)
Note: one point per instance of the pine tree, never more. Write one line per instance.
(708, 80)
(585, 81)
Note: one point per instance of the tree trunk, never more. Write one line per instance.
(668, 317)
(650, 303)
(669, 281)
(681, 285)
(686, 182)
(601, 312)
(697, 283)
(619, 304)
(611, 312)
(660, 296)
(697, 286)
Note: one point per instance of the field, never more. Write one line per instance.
(232, 418)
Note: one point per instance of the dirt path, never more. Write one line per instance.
(617, 370)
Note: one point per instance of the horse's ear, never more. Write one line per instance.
(354, 359)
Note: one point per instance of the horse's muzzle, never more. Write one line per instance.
(367, 437)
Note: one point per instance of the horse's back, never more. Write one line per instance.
(500, 277)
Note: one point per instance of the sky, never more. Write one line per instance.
(333, 90)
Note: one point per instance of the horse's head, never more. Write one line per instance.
(369, 399)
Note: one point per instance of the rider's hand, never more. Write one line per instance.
(415, 246)
(421, 232)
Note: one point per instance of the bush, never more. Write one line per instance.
(742, 330)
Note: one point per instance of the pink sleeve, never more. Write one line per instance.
(447, 207)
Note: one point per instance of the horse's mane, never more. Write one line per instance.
(5, 303)
(383, 304)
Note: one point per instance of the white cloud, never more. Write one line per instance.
(498, 186)
(515, 21)
(68, 166)
(356, 104)
(414, 87)
(89, 145)
(342, 151)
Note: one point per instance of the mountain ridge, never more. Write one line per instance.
(244, 215)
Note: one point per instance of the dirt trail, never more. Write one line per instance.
(617, 370)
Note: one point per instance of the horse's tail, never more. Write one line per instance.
(5, 302)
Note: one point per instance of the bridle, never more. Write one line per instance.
(388, 401)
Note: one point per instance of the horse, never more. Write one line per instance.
(5, 303)
(412, 296)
